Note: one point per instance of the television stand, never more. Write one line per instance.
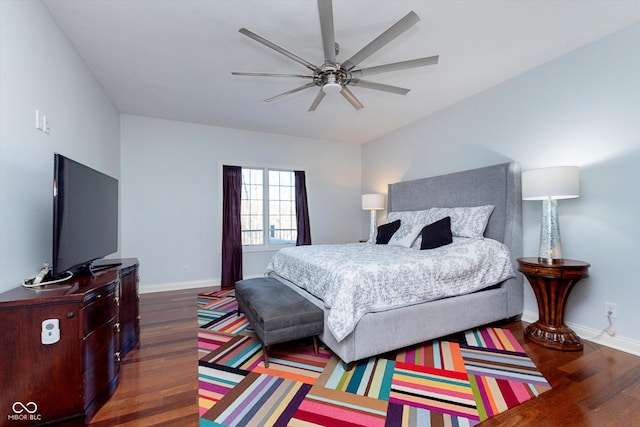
(66, 378)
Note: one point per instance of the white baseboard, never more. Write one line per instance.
(597, 336)
(177, 286)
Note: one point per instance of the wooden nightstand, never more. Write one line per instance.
(552, 283)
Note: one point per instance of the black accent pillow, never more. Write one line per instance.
(437, 234)
(385, 232)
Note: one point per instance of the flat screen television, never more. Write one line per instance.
(85, 216)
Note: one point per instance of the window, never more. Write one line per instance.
(268, 207)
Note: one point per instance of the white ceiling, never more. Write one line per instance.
(173, 59)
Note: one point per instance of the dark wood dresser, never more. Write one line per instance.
(66, 382)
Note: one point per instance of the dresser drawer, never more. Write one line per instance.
(128, 306)
(129, 334)
(99, 342)
(129, 281)
(101, 309)
(101, 364)
(97, 380)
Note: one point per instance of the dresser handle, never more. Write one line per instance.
(116, 357)
(117, 327)
(117, 301)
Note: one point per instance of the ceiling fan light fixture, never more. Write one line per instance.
(331, 87)
(334, 76)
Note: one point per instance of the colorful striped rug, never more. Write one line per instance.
(458, 382)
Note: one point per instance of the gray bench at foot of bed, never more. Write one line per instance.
(277, 313)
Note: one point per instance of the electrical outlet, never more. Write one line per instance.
(611, 309)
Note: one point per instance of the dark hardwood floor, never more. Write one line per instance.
(158, 380)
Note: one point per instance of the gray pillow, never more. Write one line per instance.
(465, 221)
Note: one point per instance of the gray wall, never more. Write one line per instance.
(40, 69)
(582, 109)
(171, 198)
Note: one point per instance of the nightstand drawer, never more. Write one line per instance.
(558, 271)
(542, 271)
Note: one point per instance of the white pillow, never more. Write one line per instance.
(465, 221)
(406, 235)
(409, 217)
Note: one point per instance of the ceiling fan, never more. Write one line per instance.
(333, 76)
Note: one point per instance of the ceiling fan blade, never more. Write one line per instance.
(278, 49)
(391, 33)
(396, 66)
(316, 101)
(303, 76)
(325, 10)
(308, 85)
(379, 86)
(351, 98)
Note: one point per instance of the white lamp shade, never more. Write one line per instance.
(560, 182)
(373, 201)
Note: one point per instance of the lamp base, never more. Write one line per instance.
(372, 226)
(550, 244)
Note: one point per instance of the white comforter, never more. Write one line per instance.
(358, 278)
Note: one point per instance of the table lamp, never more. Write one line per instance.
(373, 203)
(550, 185)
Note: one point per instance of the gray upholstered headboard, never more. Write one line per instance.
(497, 185)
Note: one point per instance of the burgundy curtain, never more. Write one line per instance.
(302, 210)
(231, 227)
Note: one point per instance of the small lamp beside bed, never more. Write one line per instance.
(551, 276)
(373, 203)
(550, 185)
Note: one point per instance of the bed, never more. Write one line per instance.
(381, 330)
